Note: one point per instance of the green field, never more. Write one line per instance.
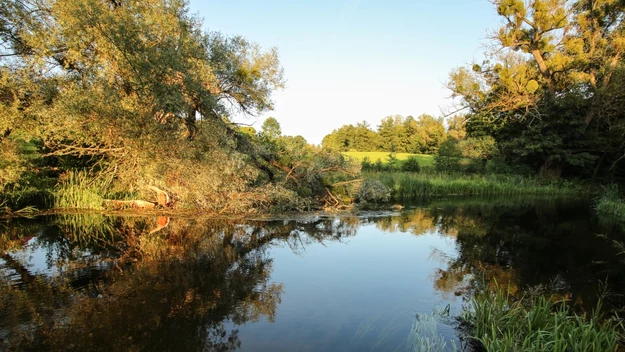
(424, 160)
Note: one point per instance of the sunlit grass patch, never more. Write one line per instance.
(424, 159)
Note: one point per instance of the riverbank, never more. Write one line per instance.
(399, 187)
(409, 186)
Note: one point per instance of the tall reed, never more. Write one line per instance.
(610, 204)
(407, 186)
(536, 323)
(78, 190)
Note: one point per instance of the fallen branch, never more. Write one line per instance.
(162, 198)
(347, 182)
(124, 204)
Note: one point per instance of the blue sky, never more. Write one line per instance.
(354, 60)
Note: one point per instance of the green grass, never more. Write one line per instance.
(537, 323)
(610, 204)
(424, 160)
(79, 191)
(410, 186)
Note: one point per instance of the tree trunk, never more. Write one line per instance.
(551, 169)
(594, 174)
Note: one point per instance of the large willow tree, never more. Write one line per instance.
(551, 91)
(133, 86)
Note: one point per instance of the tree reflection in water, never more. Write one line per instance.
(177, 288)
(519, 243)
(136, 283)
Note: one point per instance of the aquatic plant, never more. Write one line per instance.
(407, 186)
(537, 323)
(425, 337)
(610, 204)
(78, 190)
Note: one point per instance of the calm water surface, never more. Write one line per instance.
(381, 281)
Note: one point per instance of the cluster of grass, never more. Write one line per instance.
(78, 190)
(536, 323)
(407, 186)
(610, 204)
(423, 159)
(425, 337)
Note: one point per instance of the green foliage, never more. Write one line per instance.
(498, 165)
(271, 129)
(352, 138)
(392, 161)
(120, 98)
(610, 204)
(395, 134)
(548, 93)
(372, 191)
(537, 323)
(482, 148)
(448, 164)
(410, 165)
(12, 164)
(366, 163)
(379, 166)
(79, 190)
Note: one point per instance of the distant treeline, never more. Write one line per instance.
(421, 135)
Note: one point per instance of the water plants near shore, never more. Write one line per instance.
(610, 204)
(538, 323)
(409, 186)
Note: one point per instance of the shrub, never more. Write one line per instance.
(392, 161)
(447, 163)
(498, 165)
(411, 164)
(373, 191)
(379, 166)
(366, 164)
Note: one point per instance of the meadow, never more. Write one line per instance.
(423, 159)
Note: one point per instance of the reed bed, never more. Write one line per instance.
(407, 186)
(537, 323)
(610, 203)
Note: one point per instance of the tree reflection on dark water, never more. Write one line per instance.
(93, 282)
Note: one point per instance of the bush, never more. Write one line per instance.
(366, 164)
(379, 166)
(373, 191)
(498, 165)
(447, 163)
(392, 161)
(411, 164)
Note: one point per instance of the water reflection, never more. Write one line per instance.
(93, 282)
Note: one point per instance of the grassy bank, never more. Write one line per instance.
(537, 323)
(423, 159)
(407, 186)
